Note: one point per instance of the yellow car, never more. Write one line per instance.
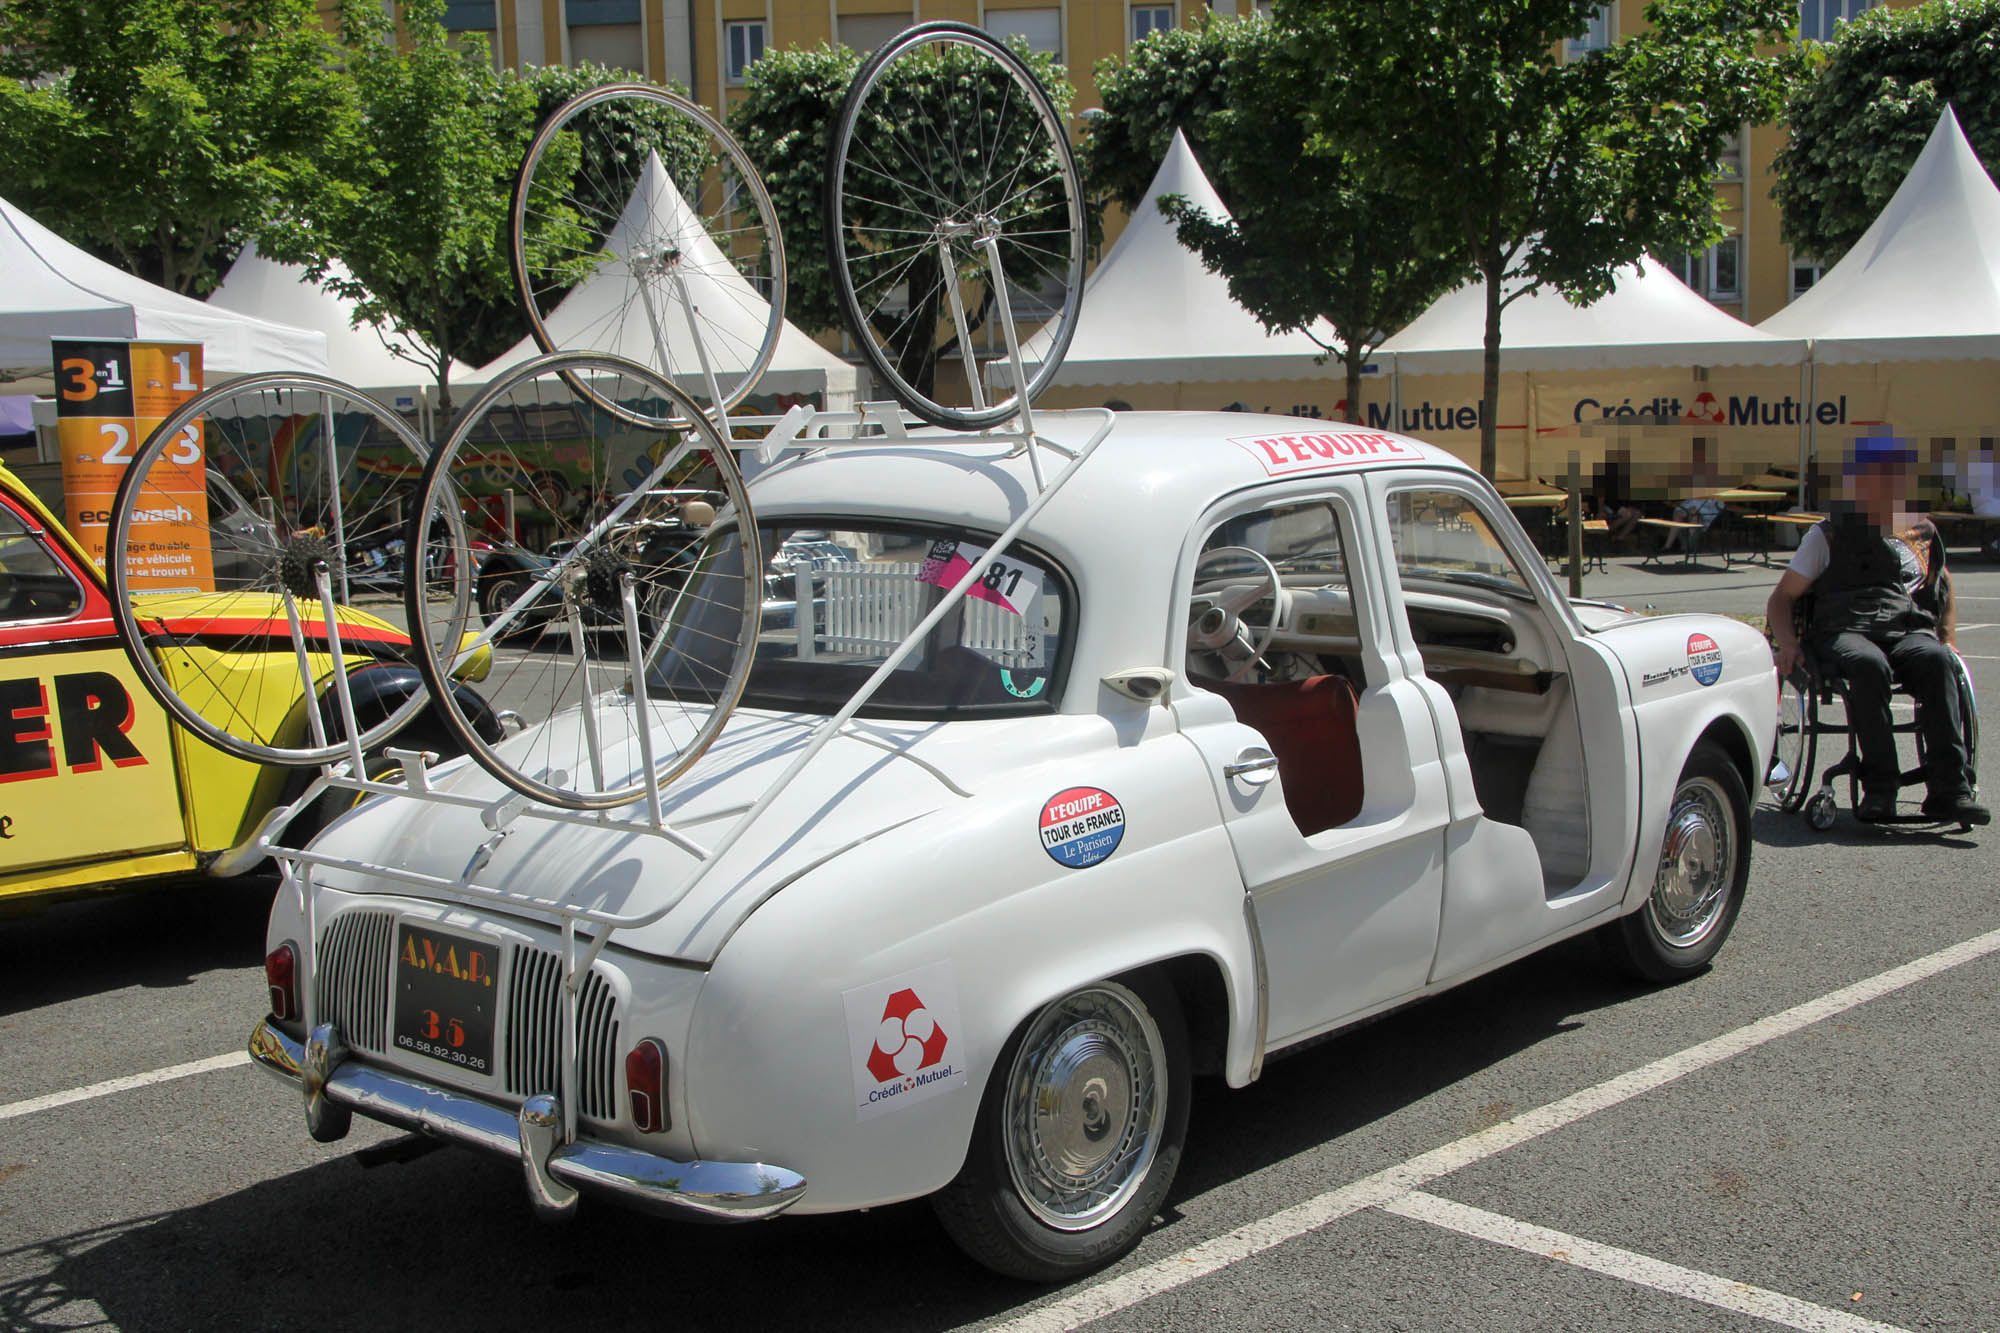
(97, 786)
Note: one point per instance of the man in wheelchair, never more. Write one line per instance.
(1882, 612)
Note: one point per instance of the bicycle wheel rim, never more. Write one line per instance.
(308, 468)
(694, 204)
(874, 236)
(580, 748)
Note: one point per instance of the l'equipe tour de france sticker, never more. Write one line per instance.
(1704, 659)
(1082, 826)
(905, 1039)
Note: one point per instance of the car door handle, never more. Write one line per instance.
(1255, 765)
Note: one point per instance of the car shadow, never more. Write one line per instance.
(156, 935)
(391, 1238)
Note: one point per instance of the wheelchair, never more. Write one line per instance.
(1803, 698)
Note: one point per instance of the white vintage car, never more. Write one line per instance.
(1261, 726)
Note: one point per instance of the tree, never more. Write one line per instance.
(786, 122)
(416, 209)
(1309, 238)
(159, 133)
(1549, 171)
(1176, 79)
(1874, 95)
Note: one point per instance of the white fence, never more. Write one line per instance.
(865, 610)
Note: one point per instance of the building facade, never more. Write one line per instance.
(707, 45)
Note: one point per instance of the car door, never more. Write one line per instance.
(86, 767)
(1347, 915)
(1526, 706)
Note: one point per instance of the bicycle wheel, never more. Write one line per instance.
(652, 508)
(639, 228)
(947, 142)
(224, 515)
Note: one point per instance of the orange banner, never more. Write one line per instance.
(110, 398)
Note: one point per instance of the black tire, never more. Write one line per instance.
(496, 593)
(1698, 882)
(886, 200)
(993, 1216)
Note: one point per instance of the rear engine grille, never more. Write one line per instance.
(534, 1034)
(351, 986)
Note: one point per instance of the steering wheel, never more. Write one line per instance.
(1215, 620)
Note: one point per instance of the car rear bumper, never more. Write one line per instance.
(335, 1087)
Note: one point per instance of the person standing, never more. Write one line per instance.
(1882, 612)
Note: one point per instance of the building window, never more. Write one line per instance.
(1601, 33)
(1805, 273)
(1818, 19)
(743, 45)
(471, 16)
(613, 45)
(1041, 28)
(1729, 163)
(1725, 261)
(1149, 19)
(866, 32)
(1716, 272)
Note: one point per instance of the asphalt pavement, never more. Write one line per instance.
(1803, 1136)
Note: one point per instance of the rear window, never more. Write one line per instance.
(838, 598)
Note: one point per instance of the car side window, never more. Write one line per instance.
(1237, 632)
(34, 584)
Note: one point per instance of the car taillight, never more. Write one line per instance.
(281, 974)
(646, 1079)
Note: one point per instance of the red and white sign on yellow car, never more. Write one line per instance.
(1262, 727)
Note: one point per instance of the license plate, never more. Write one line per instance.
(446, 995)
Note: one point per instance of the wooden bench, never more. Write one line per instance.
(1691, 538)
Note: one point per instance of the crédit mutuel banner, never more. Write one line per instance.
(110, 396)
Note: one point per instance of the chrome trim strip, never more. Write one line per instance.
(1263, 984)
(714, 1191)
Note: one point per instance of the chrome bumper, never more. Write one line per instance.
(333, 1087)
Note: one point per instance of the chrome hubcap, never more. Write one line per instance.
(1697, 863)
(1085, 1107)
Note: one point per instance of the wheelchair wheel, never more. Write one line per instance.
(1821, 811)
(1796, 745)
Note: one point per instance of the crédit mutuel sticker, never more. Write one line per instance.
(906, 1041)
(1082, 826)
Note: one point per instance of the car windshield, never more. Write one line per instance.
(1440, 535)
(839, 596)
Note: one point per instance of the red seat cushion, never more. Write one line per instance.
(1310, 725)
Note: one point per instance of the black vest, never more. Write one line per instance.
(1861, 590)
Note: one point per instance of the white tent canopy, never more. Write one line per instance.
(1651, 318)
(265, 289)
(606, 315)
(1152, 314)
(1924, 281)
(54, 290)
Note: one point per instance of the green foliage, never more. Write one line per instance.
(158, 133)
(417, 207)
(1177, 78)
(785, 123)
(1469, 110)
(1874, 96)
(1310, 237)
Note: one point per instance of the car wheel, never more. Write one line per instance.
(1698, 883)
(1079, 1134)
(496, 594)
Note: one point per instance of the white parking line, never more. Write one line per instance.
(126, 1084)
(1212, 1256)
(1627, 1266)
